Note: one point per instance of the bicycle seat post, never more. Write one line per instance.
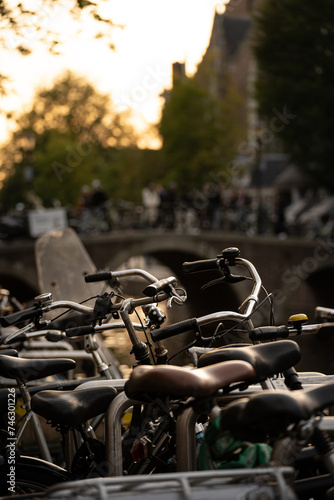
(36, 425)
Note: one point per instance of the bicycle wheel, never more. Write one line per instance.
(30, 475)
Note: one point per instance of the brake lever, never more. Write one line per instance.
(232, 278)
(18, 335)
(228, 277)
(177, 298)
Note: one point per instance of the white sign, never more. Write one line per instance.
(47, 219)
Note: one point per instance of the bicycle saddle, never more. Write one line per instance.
(168, 380)
(26, 370)
(9, 352)
(72, 408)
(266, 359)
(273, 411)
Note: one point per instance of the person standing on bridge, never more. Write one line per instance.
(151, 203)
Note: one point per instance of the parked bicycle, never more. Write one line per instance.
(269, 360)
(74, 409)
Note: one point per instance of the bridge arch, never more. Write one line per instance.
(172, 254)
(19, 280)
(168, 246)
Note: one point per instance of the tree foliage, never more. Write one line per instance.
(294, 49)
(25, 24)
(74, 132)
(200, 131)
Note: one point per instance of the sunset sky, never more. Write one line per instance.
(156, 33)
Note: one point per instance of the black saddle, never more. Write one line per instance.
(271, 412)
(72, 408)
(25, 370)
(267, 359)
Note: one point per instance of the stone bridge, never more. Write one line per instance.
(300, 273)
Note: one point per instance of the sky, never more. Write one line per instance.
(155, 34)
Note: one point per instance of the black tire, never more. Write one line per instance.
(31, 475)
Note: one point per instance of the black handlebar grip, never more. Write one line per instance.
(162, 285)
(79, 331)
(269, 333)
(54, 336)
(13, 339)
(13, 319)
(171, 330)
(326, 331)
(105, 276)
(200, 265)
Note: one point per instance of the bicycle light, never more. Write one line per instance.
(141, 449)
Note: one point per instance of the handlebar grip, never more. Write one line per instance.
(13, 319)
(105, 276)
(13, 339)
(171, 330)
(326, 331)
(54, 336)
(269, 333)
(324, 313)
(79, 331)
(200, 265)
(162, 285)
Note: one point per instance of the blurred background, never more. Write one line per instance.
(211, 121)
(190, 116)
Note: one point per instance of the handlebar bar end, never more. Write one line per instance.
(79, 331)
(91, 278)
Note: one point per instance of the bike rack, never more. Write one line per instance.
(113, 433)
(271, 483)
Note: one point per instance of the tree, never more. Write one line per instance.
(200, 131)
(23, 24)
(293, 46)
(74, 130)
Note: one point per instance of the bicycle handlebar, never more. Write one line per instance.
(175, 329)
(246, 308)
(229, 257)
(108, 275)
(323, 331)
(156, 286)
(91, 278)
(37, 311)
(79, 331)
(163, 285)
(324, 313)
(200, 265)
(269, 333)
(24, 334)
(13, 319)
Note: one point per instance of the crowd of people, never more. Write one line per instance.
(210, 208)
(167, 208)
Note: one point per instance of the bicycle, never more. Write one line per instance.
(202, 381)
(20, 473)
(289, 422)
(266, 359)
(252, 419)
(73, 410)
(155, 292)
